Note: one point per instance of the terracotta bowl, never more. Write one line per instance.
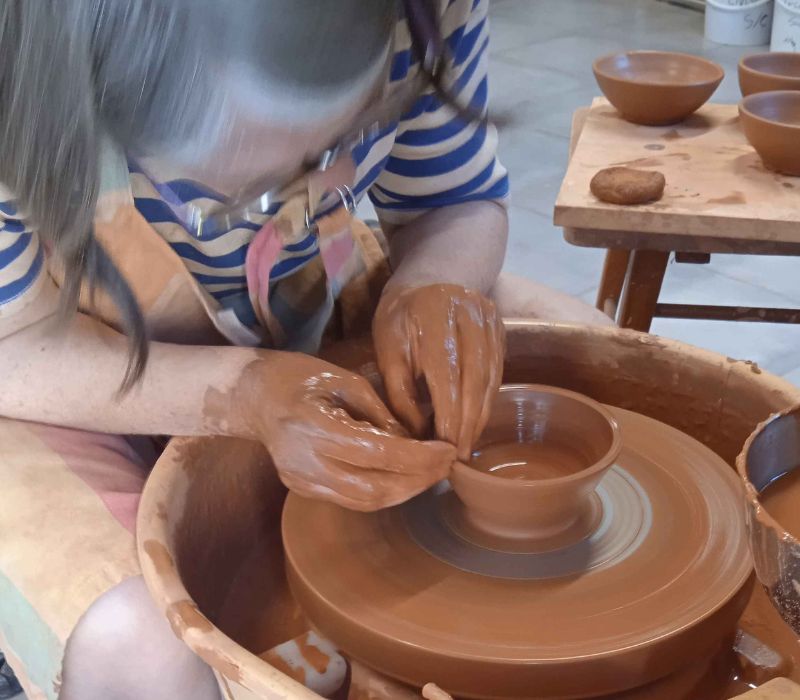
(656, 88)
(764, 72)
(771, 123)
(573, 440)
(772, 451)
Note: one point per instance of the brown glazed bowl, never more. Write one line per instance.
(770, 452)
(771, 123)
(546, 508)
(656, 88)
(765, 72)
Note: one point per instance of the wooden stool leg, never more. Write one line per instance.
(640, 297)
(614, 270)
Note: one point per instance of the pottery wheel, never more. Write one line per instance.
(409, 593)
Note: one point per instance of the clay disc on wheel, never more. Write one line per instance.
(653, 588)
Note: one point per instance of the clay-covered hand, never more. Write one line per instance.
(332, 438)
(451, 338)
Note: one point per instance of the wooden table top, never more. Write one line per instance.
(718, 192)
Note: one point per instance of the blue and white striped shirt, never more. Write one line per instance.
(430, 159)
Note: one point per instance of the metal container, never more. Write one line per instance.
(771, 452)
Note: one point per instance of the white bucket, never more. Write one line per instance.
(786, 26)
(739, 22)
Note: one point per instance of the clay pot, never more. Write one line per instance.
(764, 72)
(771, 123)
(771, 452)
(656, 88)
(576, 436)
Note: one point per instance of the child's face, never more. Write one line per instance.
(248, 140)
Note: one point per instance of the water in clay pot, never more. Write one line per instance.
(539, 432)
(528, 461)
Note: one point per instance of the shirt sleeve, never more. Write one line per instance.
(22, 271)
(437, 159)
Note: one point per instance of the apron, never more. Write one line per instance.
(352, 266)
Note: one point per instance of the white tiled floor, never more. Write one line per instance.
(542, 52)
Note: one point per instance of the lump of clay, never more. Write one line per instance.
(628, 186)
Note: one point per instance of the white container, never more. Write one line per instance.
(786, 26)
(739, 22)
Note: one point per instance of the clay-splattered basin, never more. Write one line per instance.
(656, 88)
(764, 72)
(771, 123)
(577, 434)
(208, 527)
(771, 452)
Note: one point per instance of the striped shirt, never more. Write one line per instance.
(429, 159)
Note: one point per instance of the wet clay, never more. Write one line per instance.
(538, 463)
(409, 598)
(260, 622)
(781, 499)
(528, 461)
(714, 401)
(627, 186)
(441, 344)
(331, 437)
(657, 88)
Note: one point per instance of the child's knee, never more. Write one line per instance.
(123, 647)
(122, 617)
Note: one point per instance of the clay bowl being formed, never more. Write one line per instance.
(770, 453)
(656, 88)
(765, 72)
(537, 464)
(771, 123)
